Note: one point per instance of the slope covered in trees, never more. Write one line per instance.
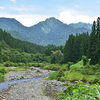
(50, 31)
(84, 44)
(18, 44)
(94, 43)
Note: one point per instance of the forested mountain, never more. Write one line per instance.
(16, 50)
(7, 41)
(81, 25)
(50, 31)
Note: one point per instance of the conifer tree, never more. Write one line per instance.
(92, 45)
(98, 41)
(69, 51)
(0, 55)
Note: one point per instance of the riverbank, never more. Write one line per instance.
(31, 90)
(34, 72)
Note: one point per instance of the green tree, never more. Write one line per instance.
(0, 55)
(98, 40)
(69, 50)
(56, 56)
(92, 45)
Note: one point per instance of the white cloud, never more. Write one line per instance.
(66, 16)
(2, 8)
(71, 16)
(30, 19)
(27, 19)
(13, 1)
(23, 9)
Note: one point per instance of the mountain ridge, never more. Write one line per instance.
(50, 31)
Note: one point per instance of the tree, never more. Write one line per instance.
(92, 45)
(98, 40)
(69, 50)
(56, 56)
(0, 55)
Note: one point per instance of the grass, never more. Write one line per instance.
(53, 75)
(77, 67)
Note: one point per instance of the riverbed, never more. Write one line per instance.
(28, 85)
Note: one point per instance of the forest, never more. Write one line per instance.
(77, 60)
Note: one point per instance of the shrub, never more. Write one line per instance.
(1, 77)
(60, 74)
(85, 60)
(3, 70)
(80, 91)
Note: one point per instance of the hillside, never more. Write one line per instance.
(50, 31)
(8, 42)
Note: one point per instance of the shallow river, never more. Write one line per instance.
(6, 84)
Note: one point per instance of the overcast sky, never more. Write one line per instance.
(30, 12)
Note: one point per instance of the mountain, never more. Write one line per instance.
(50, 31)
(81, 25)
(8, 42)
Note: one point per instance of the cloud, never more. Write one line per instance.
(26, 19)
(2, 8)
(71, 16)
(23, 9)
(13, 1)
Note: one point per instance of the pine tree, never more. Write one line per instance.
(92, 45)
(0, 55)
(98, 40)
(69, 50)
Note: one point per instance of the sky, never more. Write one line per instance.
(30, 12)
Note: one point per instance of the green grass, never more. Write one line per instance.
(75, 76)
(77, 67)
(53, 76)
(19, 68)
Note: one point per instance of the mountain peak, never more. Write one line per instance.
(51, 18)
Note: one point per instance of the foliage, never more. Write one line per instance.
(53, 75)
(56, 56)
(51, 67)
(21, 68)
(80, 91)
(84, 60)
(1, 77)
(75, 76)
(3, 70)
(0, 55)
(75, 47)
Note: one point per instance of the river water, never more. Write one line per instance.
(6, 84)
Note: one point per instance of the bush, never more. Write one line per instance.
(3, 70)
(60, 74)
(80, 91)
(1, 77)
(85, 60)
